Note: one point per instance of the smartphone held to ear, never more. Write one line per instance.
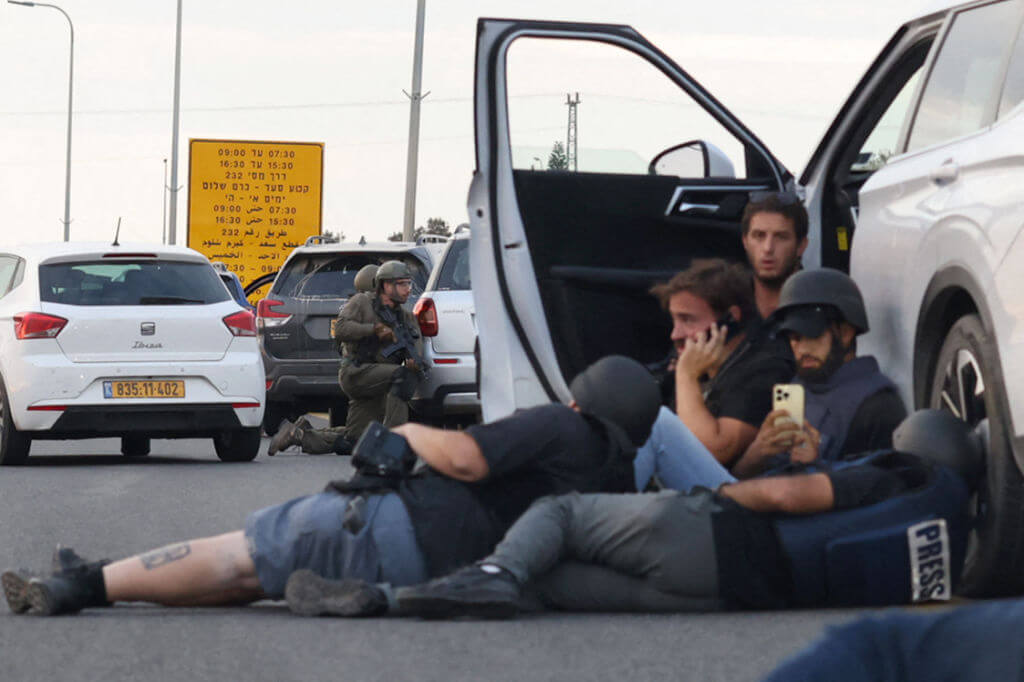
(731, 324)
(789, 397)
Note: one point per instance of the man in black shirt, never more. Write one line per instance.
(890, 528)
(722, 374)
(403, 531)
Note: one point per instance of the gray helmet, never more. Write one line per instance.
(806, 295)
(391, 269)
(364, 278)
(938, 436)
(622, 391)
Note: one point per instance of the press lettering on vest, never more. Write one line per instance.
(928, 546)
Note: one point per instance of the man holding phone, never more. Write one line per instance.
(722, 374)
(850, 406)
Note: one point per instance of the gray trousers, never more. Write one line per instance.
(368, 387)
(637, 552)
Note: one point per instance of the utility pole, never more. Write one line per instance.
(414, 125)
(163, 224)
(173, 188)
(570, 134)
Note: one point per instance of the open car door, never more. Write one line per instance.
(568, 238)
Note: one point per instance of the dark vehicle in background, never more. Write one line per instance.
(447, 321)
(294, 321)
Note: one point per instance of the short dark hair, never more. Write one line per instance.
(781, 203)
(720, 283)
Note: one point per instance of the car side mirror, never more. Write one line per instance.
(694, 159)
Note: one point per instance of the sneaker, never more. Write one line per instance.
(65, 562)
(288, 434)
(44, 596)
(310, 595)
(480, 591)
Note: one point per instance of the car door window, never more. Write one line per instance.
(965, 76)
(1013, 86)
(881, 143)
(589, 106)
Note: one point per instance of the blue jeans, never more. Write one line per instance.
(968, 644)
(678, 458)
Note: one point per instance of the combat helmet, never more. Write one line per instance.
(389, 270)
(621, 391)
(938, 436)
(365, 277)
(811, 298)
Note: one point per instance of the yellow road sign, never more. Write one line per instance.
(250, 203)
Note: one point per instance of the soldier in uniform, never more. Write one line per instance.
(378, 387)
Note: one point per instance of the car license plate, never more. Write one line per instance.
(144, 389)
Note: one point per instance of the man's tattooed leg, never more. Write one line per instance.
(165, 555)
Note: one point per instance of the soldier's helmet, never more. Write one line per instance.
(389, 270)
(364, 278)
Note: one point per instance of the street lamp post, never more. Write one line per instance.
(71, 76)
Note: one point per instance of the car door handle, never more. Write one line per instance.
(684, 207)
(946, 173)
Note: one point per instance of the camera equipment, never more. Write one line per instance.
(380, 452)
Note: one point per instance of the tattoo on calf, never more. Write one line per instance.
(165, 555)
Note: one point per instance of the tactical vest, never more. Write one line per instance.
(367, 349)
(907, 548)
(831, 406)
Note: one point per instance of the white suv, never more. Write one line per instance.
(920, 172)
(137, 341)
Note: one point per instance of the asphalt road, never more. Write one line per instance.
(84, 494)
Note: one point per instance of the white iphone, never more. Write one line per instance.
(789, 397)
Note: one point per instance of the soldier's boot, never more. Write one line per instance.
(288, 434)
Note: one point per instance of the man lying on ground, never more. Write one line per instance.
(888, 528)
(401, 529)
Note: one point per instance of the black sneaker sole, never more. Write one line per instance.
(483, 604)
(15, 591)
(308, 594)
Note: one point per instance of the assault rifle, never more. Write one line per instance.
(404, 347)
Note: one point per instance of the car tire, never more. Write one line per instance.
(273, 415)
(338, 413)
(966, 381)
(238, 445)
(14, 445)
(134, 446)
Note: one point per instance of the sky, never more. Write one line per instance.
(334, 72)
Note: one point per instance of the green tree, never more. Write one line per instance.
(438, 226)
(557, 160)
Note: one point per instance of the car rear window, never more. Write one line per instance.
(143, 282)
(454, 275)
(332, 275)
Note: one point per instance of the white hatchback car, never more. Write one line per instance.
(920, 172)
(135, 341)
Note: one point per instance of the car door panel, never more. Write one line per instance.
(570, 256)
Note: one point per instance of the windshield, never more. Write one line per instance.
(144, 282)
(333, 275)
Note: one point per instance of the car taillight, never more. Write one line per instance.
(426, 315)
(37, 325)
(266, 316)
(241, 323)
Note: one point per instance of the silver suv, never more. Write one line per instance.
(448, 323)
(920, 172)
